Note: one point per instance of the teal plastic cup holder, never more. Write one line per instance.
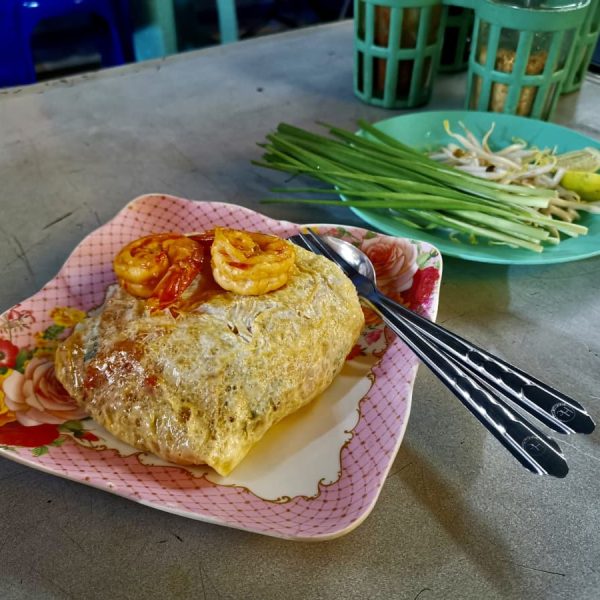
(397, 47)
(520, 57)
(588, 36)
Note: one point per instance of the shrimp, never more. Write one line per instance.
(159, 267)
(250, 263)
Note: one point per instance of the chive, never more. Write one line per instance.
(373, 170)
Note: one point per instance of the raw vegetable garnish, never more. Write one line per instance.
(376, 171)
(526, 165)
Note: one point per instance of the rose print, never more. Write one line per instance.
(14, 434)
(8, 354)
(36, 396)
(423, 285)
(356, 351)
(395, 262)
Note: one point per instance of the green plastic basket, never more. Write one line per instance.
(589, 34)
(520, 57)
(456, 44)
(397, 45)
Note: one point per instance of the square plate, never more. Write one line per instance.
(315, 475)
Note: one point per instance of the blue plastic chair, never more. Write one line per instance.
(20, 18)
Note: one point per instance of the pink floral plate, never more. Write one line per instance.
(316, 475)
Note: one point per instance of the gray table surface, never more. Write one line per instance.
(457, 517)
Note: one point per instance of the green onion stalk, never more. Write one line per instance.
(373, 170)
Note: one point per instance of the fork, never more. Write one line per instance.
(478, 389)
(554, 409)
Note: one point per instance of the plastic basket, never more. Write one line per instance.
(397, 45)
(588, 37)
(520, 57)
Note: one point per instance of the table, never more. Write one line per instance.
(457, 517)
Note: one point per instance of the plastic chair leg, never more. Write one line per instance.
(158, 36)
(228, 25)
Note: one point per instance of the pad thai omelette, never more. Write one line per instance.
(207, 341)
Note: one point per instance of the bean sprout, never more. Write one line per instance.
(517, 163)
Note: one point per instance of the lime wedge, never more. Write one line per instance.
(587, 185)
(587, 159)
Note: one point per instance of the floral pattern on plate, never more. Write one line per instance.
(315, 475)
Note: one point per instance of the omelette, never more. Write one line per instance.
(201, 384)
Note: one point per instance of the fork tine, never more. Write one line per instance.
(299, 240)
(309, 242)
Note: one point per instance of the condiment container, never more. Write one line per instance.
(397, 46)
(521, 55)
(587, 39)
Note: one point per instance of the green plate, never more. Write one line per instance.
(425, 130)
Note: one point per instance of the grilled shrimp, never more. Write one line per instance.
(159, 267)
(250, 263)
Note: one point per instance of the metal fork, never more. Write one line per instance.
(472, 385)
(551, 407)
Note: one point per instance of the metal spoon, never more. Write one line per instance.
(532, 448)
(553, 408)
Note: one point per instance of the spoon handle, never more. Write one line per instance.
(551, 407)
(532, 448)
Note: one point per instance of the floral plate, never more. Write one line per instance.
(315, 475)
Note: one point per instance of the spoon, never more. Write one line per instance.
(532, 448)
(554, 409)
